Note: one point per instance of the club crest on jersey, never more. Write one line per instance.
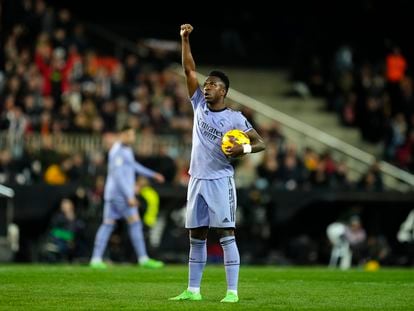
(119, 161)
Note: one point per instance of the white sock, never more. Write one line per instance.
(143, 259)
(232, 291)
(196, 262)
(231, 261)
(96, 260)
(195, 290)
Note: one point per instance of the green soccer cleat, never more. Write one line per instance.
(187, 295)
(151, 264)
(98, 265)
(230, 297)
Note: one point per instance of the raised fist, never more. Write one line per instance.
(185, 31)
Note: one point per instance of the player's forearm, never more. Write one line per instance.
(144, 171)
(258, 145)
(186, 56)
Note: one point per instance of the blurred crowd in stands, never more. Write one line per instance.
(374, 95)
(55, 82)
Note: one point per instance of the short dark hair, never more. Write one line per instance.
(223, 77)
(125, 128)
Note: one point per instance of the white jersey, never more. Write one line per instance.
(207, 159)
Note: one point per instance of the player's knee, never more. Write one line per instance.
(223, 232)
(199, 233)
(132, 219)
(109, 222)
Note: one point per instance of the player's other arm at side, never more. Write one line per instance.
(256, 145)
(142, 170)
(188, 63)
(256, 141)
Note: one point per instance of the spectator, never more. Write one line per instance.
(63, 242)
(356, 236)
(406, 237)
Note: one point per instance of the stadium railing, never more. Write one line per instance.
(75, 142)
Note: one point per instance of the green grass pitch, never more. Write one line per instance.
(28, 287)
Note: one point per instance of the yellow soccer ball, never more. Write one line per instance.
(372, 266)
(232, 136)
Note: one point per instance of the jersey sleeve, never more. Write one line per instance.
(242, 123)
(197, 99)
(142, 170)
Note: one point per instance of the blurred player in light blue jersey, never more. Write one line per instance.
(211, 197)
(120, 200)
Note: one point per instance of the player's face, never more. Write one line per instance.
(214, 89)
(129, 137)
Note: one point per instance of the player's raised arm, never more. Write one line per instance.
(187, 59)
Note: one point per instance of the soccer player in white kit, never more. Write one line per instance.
(120, 201)
(211, 197)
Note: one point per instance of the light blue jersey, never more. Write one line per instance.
(122, 167)
(207, 159)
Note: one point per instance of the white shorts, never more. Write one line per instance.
(118, 209)
(211, 203)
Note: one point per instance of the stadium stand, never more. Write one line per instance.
(62, 100)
